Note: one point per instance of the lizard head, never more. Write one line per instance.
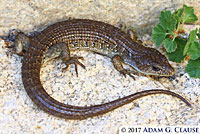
(150, 62)
(17, 41)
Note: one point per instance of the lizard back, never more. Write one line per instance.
(80, 34)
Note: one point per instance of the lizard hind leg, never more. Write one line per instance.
(62, 51)
(68, 60)
(17, 41)
(73, 60)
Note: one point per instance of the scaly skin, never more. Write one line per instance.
(61, 38)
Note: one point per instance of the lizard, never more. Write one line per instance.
(61, 38)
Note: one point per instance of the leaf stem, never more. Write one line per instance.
(178, 26)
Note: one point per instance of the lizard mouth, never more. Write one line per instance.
(159, 73)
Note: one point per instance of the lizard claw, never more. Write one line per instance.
(74, 60)
(125, 72)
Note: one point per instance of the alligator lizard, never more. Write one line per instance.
(63, 37)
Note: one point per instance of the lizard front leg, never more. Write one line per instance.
(117, 62)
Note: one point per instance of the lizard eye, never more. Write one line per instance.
(155, 68)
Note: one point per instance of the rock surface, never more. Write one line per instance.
(98, 84)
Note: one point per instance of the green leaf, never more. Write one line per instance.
(158, 34)
(194, 50)
(198, 34)
(187, 47)
(192, 38)
(166, 26)
(188, 15)
(167, 21)
(178, 56)
(177, 14)
(169, 45)
(193, 68)
(193, 34)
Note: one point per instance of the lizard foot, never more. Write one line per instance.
(127, 72)
(74, 60)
